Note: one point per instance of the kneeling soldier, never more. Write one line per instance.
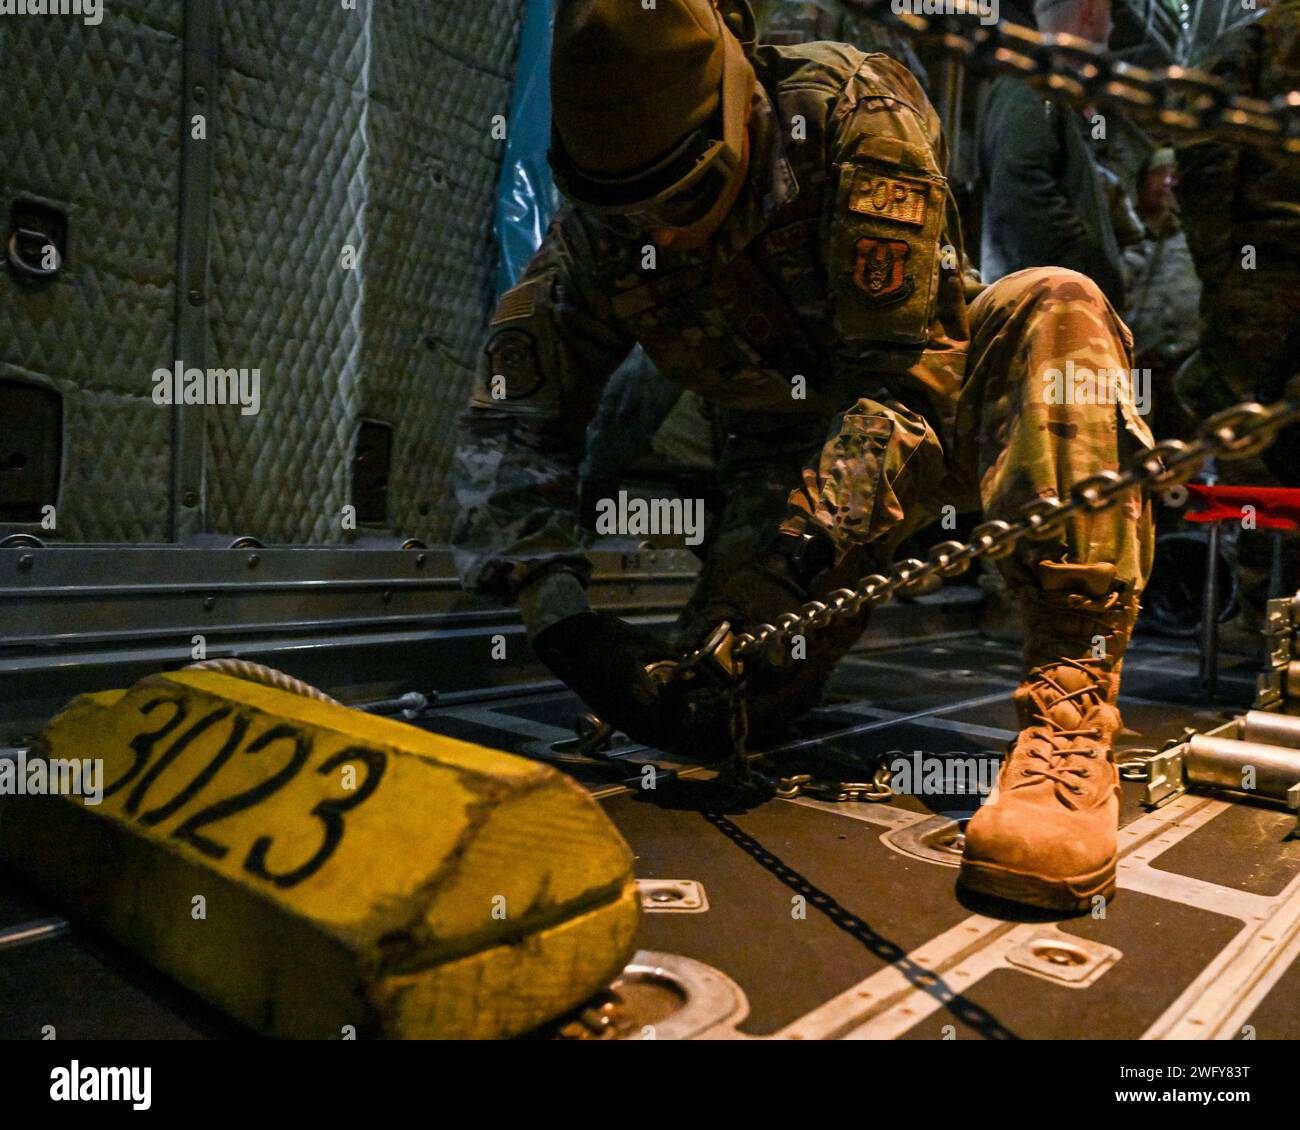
(775, 229)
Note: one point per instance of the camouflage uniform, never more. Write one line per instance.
(1233, 198)
(638, 394)
(805, 21)
(839, 265)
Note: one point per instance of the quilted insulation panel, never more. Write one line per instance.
(90, 128)
(354, 175)
(369, 130)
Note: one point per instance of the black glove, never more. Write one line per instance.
(604, 660)
(779, 581)
(755, 594)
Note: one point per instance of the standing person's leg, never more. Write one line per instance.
(1042, 409)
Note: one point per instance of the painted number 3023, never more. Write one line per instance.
(145, 770)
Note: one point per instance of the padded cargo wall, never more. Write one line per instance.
(290, 185)
(89, 130)
(329, 128)
(440, 74)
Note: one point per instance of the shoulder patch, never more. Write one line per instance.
(878, 270)
(518, 302)
(512, 357)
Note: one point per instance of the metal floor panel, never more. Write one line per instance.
(88, 991)
(822, 919)
(1142, 983)
(754, 863)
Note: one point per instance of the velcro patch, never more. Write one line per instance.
(513, 357)
(896, 198)
(515, 304)
(878, 270)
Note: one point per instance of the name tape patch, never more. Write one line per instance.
(901, 199)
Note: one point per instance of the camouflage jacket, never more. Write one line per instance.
(836, 276)
(805, 21)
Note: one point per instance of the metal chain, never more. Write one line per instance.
(1175, 100)
(875, 791)
(1239, 432)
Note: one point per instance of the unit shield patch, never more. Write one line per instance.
(878, 271)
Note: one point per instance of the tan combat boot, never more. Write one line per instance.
(1049, 838)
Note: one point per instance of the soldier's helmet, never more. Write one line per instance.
(649, 106)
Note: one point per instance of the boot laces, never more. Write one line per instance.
(1057, 745)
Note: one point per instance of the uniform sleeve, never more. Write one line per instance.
(552, 344)
(893, 250)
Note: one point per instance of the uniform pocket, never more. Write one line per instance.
(851, 483)
(885, 251)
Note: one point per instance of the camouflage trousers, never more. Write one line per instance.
(1028, 424)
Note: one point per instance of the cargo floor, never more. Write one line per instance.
(813, 919)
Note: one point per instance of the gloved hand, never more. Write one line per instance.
(604, 660)
(755, 594)
(759, 593)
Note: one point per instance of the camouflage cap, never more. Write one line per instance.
(629, 82)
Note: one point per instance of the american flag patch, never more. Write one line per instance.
(515, 304)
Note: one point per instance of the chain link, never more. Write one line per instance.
(1182, 101)
(1239, 432)
(875, 791)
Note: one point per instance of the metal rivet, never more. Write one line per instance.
(196, 297)
(253, 560)
(209, 602)
(388, 597)
(420, 559)
(25, 562)
(191, 498)
(200, 93)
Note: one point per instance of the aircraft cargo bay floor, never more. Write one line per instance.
(813, 919)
